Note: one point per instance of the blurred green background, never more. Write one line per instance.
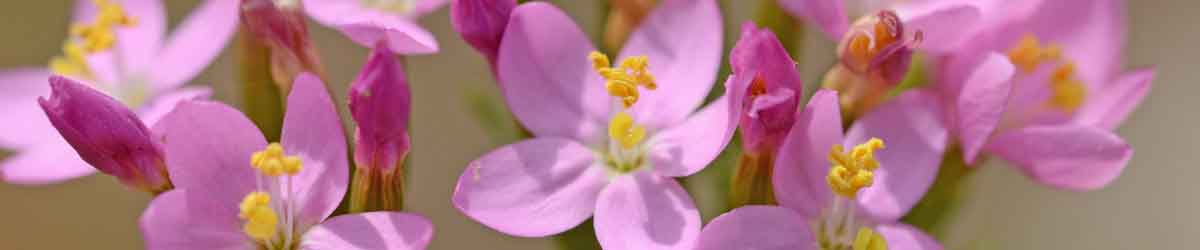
(1151, 206)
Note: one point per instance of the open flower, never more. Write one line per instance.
(369, 21)
(117, 47)
(1040, 87)
(236, 191)
(608, 138)
(844, 192)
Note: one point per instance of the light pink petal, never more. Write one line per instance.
(1092, 34)
(682, 39)
(533, 188)
(828, 15)
(1071, 157)
(423, 7)
(803, 160)
(27, 124)
(189, 220)
(161, 105)
(312, 130)
(370, 231)
(331, 12)
(49, 163)
(403, 36)
(901, 236)
(758, 228)
(1108, 106)
(643, 210)
(208, 147)
(980, 105)
(678, 151)
(137, 44)
(915, 138)
(940, 22)
(195, 43)
(548, 81)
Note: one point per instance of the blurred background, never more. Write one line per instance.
(1149, 207)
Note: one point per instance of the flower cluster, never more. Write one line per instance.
(917, 87)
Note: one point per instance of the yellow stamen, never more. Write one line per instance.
(853, 171)
(868, 239)
(1029, 53)
(623, 81)
(1068, 93)
(623, 130)
(90, 38)
(261, 221)
(272, 162)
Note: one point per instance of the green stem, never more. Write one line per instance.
(262, 100)
(751, 183)
(941, 203)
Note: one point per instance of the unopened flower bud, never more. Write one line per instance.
(380, 104)
(106, 134)
(280, 27)
(481, 23)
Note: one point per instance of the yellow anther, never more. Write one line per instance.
(1029, 53)
(853, 171)
(89, 38)
(623, 81)
(260, 220)
(868, 239)
(272, 162)
(623, 130)
(1067, 92)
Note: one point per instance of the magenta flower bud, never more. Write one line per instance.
(770, 101)
(106, 134)
(379, 103)
(481, 23)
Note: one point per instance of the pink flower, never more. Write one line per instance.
(107, 135)
(481, 23)
(1039, 86)
(380, 104)
(369, 21)
(136, 65)
(856, 191)
(236, 191)
(604, 146)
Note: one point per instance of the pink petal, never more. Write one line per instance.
(1071, 157)
(312, 130)
(49, 163)
(208, 147)
(1108, 106)
(161, 105)
(980, 105)
(682, 39)
(758, 228)
(189, 220)
(331, 12)
(532, 188)
(549, 83)
(803, 160)
(915, 136)
(643, 210)
(678, 151)
(1092, 34)
(403, 36)
(195, 43)
(136, 44)
(901, 236)
(370, 231)
(941, 22)
(18, 102)
(828, 15)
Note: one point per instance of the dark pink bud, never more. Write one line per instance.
(106, 134)
(481, 23)
(774, 88)
(379, 102)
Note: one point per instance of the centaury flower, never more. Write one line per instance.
(380, 104)
(117, 47)
(844, 192)
(608, 138)
(369, 21)
(1040, 86)
(236, 191)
